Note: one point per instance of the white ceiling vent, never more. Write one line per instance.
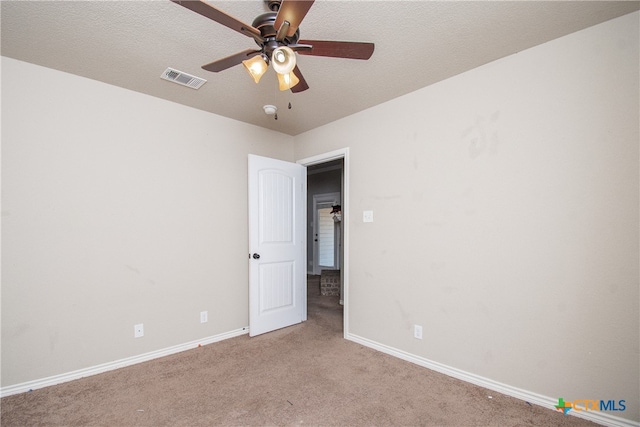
(183, 78)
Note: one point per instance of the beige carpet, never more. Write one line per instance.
(302, 375)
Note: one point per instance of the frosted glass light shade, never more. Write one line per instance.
(287, 81)
(284, 60)
(256, 67)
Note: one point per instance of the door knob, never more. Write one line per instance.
(256, 256)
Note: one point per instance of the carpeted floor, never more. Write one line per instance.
(302, 375)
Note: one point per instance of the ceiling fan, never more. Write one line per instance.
(278, 37)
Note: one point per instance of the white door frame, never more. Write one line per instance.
(324, 199)
(342, 153)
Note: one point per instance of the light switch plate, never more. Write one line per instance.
(367, 216)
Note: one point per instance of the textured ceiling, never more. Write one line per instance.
(130, 43)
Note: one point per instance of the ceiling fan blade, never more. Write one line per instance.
(292, 11)
(205, 9)
(302, 86)
(335, 49)
(230, 61)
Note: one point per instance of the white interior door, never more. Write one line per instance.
(326, 248)
(277, 244)
(326, 238)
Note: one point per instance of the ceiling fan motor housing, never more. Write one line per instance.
(264, 23)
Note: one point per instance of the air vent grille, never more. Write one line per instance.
(183, 79)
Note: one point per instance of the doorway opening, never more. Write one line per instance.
(327, 229)
(323, 235)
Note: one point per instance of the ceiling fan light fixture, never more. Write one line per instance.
(256, 67)
(287, 81)
(278, 35)
(284, 60)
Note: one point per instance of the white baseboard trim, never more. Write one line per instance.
(528, 396)
(110, 366)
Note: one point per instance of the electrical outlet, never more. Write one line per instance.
(367, 216)
(204, 317)
(138, 330)
(417, 332)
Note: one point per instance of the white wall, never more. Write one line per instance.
(117, 208)
(506, 218)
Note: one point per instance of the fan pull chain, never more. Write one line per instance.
(275, 101)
